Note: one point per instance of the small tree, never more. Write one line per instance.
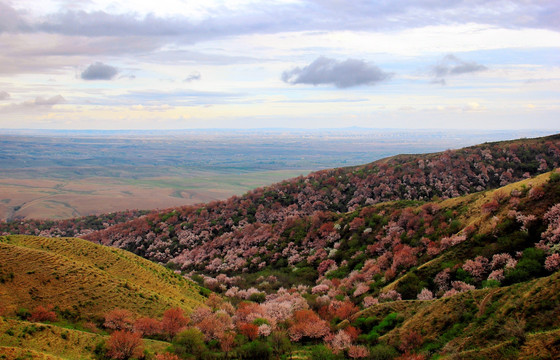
(123, 345)
(280, 343)
(119, 319)
(174, 320)
(43, 313)
(358, 352)
(227, 342)
(249, 330)
(147, 326)
(410, 341)
(214, 302)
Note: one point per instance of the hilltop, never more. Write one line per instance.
(414, 177)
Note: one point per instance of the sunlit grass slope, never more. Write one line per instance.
(86, 280)
(26, 340)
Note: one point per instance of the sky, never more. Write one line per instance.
(183, 64)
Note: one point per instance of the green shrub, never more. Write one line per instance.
(260, 321)
(258, 297)
(255, 350)
(529, 266)
(321, 352)
(189, 342)
(383, 352)
(410, 286)
(490, 284)
(23, 314)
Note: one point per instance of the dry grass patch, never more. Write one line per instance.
(88, 279)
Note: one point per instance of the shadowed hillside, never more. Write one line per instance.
(519, 321)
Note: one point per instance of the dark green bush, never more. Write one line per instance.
(530, 265)
(23, 314)
(255, 350)
(383, 352)
(321, 352)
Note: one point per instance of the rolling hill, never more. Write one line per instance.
(26, 340)
(232, 229)
(86, 280)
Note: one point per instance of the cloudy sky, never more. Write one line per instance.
(177, 64)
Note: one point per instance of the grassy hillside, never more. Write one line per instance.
(85, 280)
(507, 322)
(27, 340)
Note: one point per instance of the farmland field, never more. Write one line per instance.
(63, 174)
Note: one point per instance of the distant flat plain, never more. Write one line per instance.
(63, 174)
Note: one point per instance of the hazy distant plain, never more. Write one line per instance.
(63, 174)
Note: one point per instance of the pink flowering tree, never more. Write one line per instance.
(552, 262)
(477, 267)
(425, 294)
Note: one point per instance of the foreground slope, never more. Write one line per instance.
(85, 280)
(515, 322)
(26, 340)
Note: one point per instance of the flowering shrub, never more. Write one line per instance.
(425, 294)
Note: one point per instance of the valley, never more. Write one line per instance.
(68, 174)
(429, 256)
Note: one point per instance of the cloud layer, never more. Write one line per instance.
(342, 74)
(250, 50)
(224, 19)
(40, 103)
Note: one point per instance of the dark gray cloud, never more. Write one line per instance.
(342, 74)
(99, 71)
(195, 75)
(451, 65)
(4, 95)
